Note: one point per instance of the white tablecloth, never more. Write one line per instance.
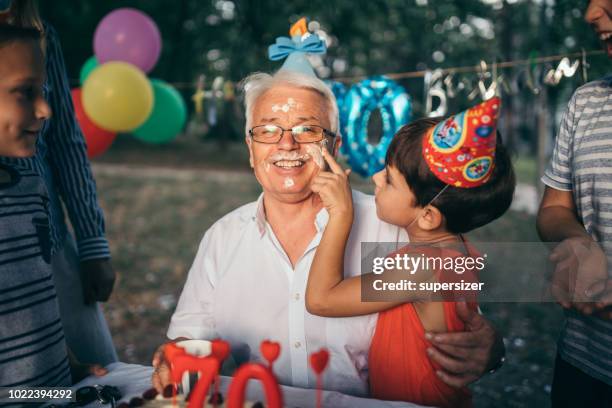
(134, 379)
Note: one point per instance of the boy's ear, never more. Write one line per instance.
(431, 219)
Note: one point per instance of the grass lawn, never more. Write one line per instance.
(156, 218)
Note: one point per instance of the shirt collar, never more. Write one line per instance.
(259, 217)
(321, 220)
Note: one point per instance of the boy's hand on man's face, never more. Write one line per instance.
(97, 278)
(334, 189)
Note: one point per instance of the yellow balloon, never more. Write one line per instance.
(117, 96)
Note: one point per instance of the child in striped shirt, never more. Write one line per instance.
(33, 351)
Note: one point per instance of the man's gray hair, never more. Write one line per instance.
(258, 83)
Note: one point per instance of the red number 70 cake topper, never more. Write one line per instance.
(208, 368)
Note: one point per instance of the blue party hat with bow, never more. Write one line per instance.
(294, 49)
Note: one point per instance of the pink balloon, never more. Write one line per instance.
(128, 35)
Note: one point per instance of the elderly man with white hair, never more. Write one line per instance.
(248, 279)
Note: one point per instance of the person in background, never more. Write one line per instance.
(576, 211)
(82, 271)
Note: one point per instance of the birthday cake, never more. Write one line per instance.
(203, 393)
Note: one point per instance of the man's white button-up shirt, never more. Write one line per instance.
(242, 288)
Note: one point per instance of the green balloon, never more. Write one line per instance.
(89, 65)
(167, 118)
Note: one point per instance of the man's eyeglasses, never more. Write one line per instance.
(301, 134)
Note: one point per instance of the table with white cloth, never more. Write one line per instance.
(132, 380)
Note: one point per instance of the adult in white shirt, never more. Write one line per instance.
(248, 279)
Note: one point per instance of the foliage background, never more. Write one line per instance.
(229, 38)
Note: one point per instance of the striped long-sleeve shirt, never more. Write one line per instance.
(582, 163)
(61, 159)
(32, 346)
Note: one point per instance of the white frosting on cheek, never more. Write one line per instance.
(316, 152)
(289, 182)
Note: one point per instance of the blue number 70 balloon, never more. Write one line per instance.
(355, 107)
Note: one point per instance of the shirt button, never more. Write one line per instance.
(297, 344)
(296, 296)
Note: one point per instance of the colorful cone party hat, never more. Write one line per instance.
(460, 150)
(295, 49)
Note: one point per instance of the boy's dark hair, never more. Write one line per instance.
(463, 208)
(10, 33)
